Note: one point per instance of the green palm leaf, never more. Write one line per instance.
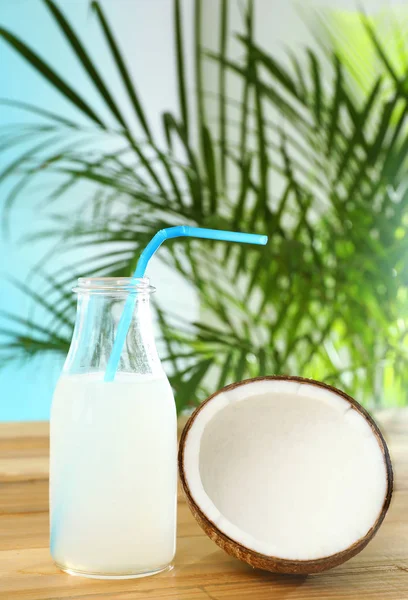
(38, 110)
(85, 60)
(120, 63)
(49, 74)
(182, 91)
(302, 155)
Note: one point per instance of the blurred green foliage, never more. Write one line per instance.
(304, 154)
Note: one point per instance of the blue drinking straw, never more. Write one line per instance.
(151, 248)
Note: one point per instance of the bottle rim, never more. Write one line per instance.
(113, 285)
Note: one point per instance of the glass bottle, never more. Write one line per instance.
(113, 473)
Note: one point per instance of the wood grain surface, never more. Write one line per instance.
(202, 571)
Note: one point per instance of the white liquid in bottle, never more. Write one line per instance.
(113, 478)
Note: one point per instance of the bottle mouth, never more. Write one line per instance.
(113, 285)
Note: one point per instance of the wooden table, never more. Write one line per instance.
(202, 571)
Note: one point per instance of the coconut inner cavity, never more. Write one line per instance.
(287, 469)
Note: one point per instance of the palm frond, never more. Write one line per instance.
(85, 60)
(302, 155)
(182, 91)
(120, 63)
(50, 75)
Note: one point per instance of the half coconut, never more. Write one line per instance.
(287, 474)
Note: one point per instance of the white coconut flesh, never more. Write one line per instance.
(286, 469)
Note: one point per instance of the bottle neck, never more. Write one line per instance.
(97, 319)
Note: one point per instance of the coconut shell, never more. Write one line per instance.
(273, 563)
